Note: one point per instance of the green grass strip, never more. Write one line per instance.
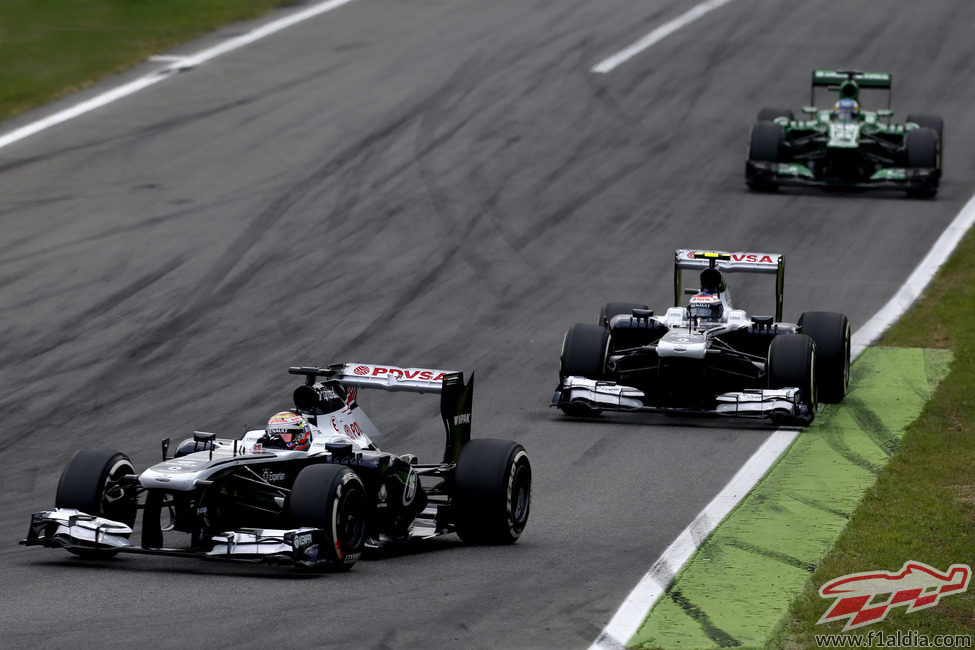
(923, 504)
(49, 48)
(736, 590)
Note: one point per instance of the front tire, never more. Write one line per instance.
(831, 332)
(935, 123)
(584, 351)
(921, 150)
(492, 491)
(766, 143)
(91, 483)
(792, 364)
(332, 498)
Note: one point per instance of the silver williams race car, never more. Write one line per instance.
(309, 490)
(707, 357)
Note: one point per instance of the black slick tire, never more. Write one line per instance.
(929, 121)
(492, 491)
(921, 151)
(765, 144)
(584, 351)
(331, 498)
(90, 483)
(792, 364)
(921, 148)
(831, 332)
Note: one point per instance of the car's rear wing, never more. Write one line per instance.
(456, 397)
(739, 262)
(849, 83)
(863, 79)
(369, 375)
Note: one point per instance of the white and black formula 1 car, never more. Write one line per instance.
(244, 499)
(707, 357)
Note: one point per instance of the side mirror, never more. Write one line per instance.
(810, 110)
(885, 112)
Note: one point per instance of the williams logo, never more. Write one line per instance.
(866, 598)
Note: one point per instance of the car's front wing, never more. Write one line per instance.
(787, 173)
(781, 405)
(74, 530)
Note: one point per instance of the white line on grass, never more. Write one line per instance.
(641, 599)
(658, 34)
(179, 63)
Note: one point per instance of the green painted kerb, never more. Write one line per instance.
(736, 589)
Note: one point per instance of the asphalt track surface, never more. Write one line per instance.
(423, 184)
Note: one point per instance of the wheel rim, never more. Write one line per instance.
(350, 528)
(520, 510)
(519, 493)
(114, 503)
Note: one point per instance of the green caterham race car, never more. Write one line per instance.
(845, 147)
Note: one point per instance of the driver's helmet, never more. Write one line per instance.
(288, 430)
(706, 306)
(846, 109)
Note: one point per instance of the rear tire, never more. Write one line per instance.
(584, 351)
(769, 114)
(831, 332)
(766, 142)
(332, 498)
(492, 491)
(90, 483)
(616, 309)
(792, 364)
(929, 121)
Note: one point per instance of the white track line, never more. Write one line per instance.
(658, 34)
(641, 599)
(179, 63)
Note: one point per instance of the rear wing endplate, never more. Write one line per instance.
(731, 262)
(456, 408)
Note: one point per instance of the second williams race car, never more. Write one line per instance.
(707, 357)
